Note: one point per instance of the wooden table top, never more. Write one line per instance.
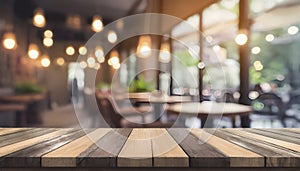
(174, 147)
(23, 98)
(12, 107)
(210, 108)
(149, 98)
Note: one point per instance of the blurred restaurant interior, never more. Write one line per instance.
(238, 67)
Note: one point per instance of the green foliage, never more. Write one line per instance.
(140, 85)
(103, 86)
(28, 88)
(186, 58)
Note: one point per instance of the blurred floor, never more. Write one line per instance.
(64, 116)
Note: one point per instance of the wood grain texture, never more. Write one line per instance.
(166, 151)
(284, 132)
(285, 144)
(4, 131)
(31, 156)
(65, 156)
(239, 157)
(200, 154)
(104, 153)
(23, 135)
(275, 155)
(137, 151)
(27, 143)
(152, 147)
(276, 135)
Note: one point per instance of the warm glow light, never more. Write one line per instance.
(99, 54)
(116, 66)
(82, 50)
(97, 66)
(48, 33)
(144, 47)
(48, 42)
(83, 64)
(258, 65)
(164, 54)
(112, 37)
(201, 65)
(9, 41)
(39, 18)
(60, 61)
(70, 50)
(33, 51)
(293, 30)
(241, 39)
(97, 24)
(45, 62)
(91, 62)
(255, 50)
(114, 58)
(269, 37)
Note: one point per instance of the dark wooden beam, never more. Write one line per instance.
(201, 71)
(244, 58)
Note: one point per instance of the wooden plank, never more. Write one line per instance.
(296, 130)
(166, 151)
(27, 143)
(31, 156)
(65, 156)
(104, 153)
(239, 157)
(275, 155)
(200, 153)
(275, 135)
(5, 131)
(285, 131)
(137, 151)
(285, 144)
(23, 135)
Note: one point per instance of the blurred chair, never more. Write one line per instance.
(120, 118)
(292, 113)
(268, 106)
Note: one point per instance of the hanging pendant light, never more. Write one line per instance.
(97, 24)
(9, 41)
(164, 53)
(144, 47)
(39, 19)
(33, 51)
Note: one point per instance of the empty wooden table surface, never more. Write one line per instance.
(210, 109)
(46, 148)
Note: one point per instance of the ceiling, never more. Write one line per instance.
(57, 11)
(108, 9)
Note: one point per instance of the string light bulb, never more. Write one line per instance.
(60, 61)
(45, 61)
(9, 41)
(241, 38)
(33, 51)
(112, 37)
(70, 50)
(97, 24)
(39, 19)
(48, 42)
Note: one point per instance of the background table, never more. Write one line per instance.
(258, 149)
(212, 109)
(158, 102)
